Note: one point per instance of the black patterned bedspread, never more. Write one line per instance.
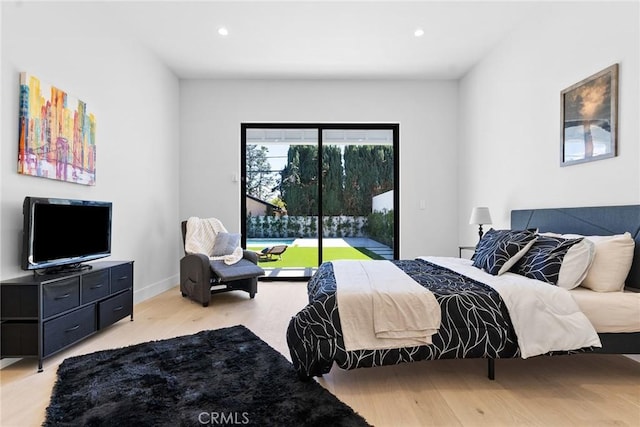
(475, 324)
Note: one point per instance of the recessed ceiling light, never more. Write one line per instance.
(223, 31)
(418, 32)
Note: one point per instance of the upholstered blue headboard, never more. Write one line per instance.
(590, 221)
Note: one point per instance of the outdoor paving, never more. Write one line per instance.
(376, 247)
(291, 272)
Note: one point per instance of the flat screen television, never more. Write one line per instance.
(63, 233)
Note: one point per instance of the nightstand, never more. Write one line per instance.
(465, 248)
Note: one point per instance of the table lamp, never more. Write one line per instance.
(480, 216)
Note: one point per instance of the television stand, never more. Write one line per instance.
(41, 315)
(63, 269)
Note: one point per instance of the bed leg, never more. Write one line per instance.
(491, 371)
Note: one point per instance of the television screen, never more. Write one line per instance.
(60, 232)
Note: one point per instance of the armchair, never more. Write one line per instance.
(200, 277)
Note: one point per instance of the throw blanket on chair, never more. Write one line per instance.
(201, 237)
(382, 307)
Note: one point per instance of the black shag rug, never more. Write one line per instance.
(223, 377)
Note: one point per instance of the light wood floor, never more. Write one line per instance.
(586, 389)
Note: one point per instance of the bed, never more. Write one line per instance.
(478, 320)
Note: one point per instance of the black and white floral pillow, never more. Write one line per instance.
(544, 259)
(499, 250)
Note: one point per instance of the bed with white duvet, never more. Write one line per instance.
(529, 291)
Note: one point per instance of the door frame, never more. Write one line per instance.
(394, 127)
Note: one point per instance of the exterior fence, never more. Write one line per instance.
(377, 226)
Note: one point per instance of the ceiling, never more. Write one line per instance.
(320, 39)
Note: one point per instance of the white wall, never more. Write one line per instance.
(509, 140)
(382, 202)
(135, 100)
(211, 113)
(169, 149)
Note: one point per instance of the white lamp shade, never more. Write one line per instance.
(480, 216)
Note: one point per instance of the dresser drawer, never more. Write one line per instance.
(121, 278)
(19, 301)
(60, 296)
(18, 339)
(69, 328)
(95, 286)
(115, 308)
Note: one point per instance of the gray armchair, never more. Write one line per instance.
(198, 274)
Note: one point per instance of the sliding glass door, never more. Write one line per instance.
(358, 197)
(313, 193)
(280, 193)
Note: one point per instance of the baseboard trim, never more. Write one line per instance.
(8, 362)
(635, 357)
(154, 289)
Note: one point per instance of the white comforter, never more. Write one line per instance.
(545, 317)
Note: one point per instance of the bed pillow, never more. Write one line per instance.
(544, 259)
(498, 250)
(611, 264)
(225, 244)
(576, 262)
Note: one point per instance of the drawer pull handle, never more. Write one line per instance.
(72, 329)
(96, 286)
(63, 296)
(118, 308)
(123, 278)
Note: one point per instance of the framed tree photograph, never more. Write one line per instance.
(589, 116)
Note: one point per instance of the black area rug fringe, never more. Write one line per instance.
(222, 377)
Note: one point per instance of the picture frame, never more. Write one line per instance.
(589, 118)
(57, 134)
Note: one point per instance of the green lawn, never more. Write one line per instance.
(296, 256)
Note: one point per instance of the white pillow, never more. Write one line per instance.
(576, 262)
(225, 244)
(512, 261)
(611, 265)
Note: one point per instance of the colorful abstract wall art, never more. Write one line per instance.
(57, 134)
